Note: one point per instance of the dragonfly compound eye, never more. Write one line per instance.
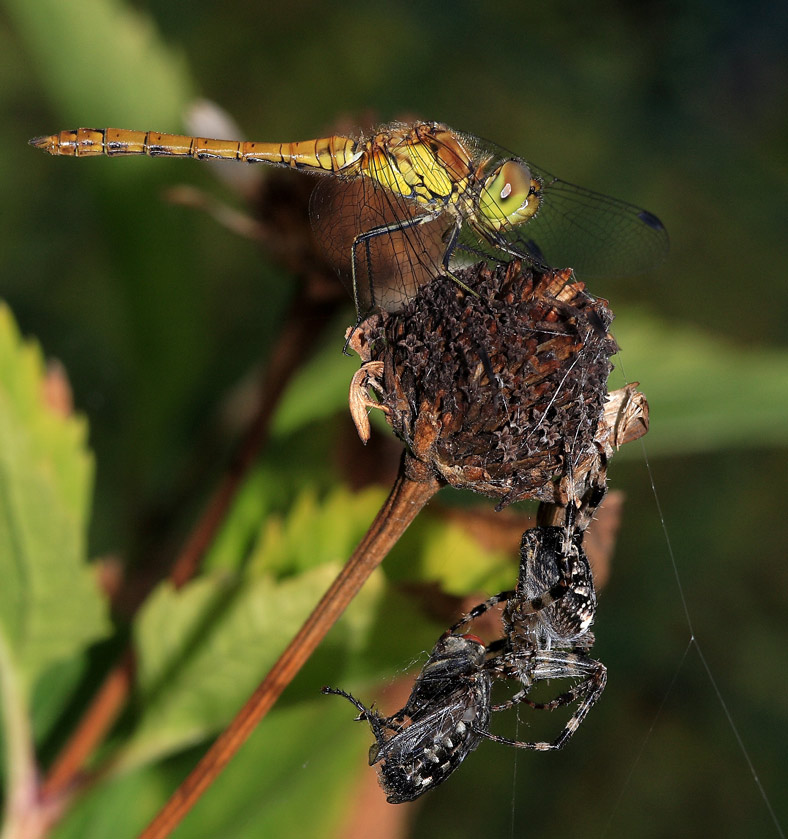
(506, 198)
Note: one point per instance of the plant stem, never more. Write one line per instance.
(98, 719)
(413, 488)
(21, 774)
(293, 345)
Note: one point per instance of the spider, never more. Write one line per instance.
(546, 621)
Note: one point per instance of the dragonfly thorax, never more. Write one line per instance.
(425, 162)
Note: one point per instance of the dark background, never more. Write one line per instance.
(682, 108)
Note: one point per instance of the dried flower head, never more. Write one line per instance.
(500, 387)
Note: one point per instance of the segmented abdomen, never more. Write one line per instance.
(327, 154)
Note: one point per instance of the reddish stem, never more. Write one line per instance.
(293, 345)
(295, 341)
(411, 491)
(102, 714)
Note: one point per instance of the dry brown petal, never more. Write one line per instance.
(364, 378)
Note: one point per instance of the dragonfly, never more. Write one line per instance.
(414, 201)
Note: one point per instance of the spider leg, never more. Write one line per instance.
(540, 548)
(479, 610)
(535, 604)
(567, 698)
(553, 664)
(532, 550)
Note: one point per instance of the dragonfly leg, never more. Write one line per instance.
(366, 238)
(447, 254)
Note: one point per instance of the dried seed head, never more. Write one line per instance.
(501, 390)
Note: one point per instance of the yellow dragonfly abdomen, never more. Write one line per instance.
(327, 154)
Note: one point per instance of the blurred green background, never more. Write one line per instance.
(158, 313)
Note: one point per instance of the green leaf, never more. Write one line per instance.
(204, 648)
(118, 807)
(50, 607)
(315, 531)
(705, 392)
(93, 76)
(442, 550)
(311, 752)
(453, 557)
(241, 526)
(319, 389)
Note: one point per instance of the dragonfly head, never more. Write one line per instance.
(509, 196)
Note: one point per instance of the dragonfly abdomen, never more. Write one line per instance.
(326, 154)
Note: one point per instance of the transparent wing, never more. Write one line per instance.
(575, 227)
(593, 233)
(409, 744)
(402, 241)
